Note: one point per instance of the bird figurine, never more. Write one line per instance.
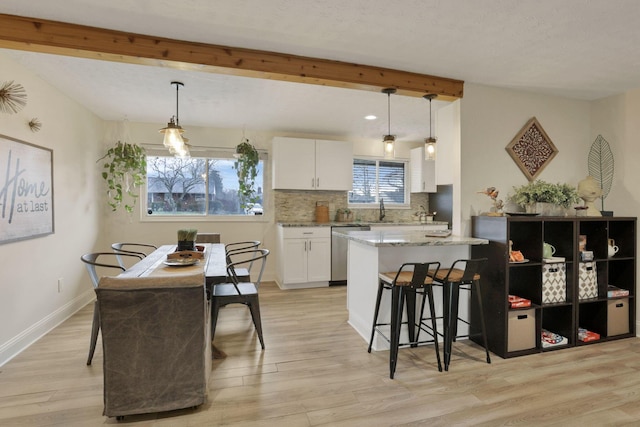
(492, 192)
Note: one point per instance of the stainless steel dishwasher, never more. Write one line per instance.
(339, 246)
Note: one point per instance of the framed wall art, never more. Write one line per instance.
(532, 149)
(26, 190)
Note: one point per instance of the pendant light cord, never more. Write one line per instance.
(430, 125)
(177, 114)
(389, 113)
(178, 84)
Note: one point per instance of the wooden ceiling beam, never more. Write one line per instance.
(39, 35)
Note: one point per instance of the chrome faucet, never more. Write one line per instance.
(382, 213)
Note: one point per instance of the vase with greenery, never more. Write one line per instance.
(246, 165)
(528, 195)
(344, 215)
(125, 170)
(187, 239)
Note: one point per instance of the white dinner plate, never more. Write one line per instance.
(180, 262)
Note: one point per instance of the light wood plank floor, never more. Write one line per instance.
(316, 371)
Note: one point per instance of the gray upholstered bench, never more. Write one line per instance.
(156, 343)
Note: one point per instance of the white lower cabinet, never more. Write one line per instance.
(304, 257)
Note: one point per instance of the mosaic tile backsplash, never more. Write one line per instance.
(300, 206)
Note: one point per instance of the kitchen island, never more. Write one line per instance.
(371, 252)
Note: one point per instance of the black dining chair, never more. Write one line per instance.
(238, 292)
(242, 273)
(208, 238)
(96, 263)
(141, 249)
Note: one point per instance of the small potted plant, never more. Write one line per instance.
(125, 169)
(545, 198)
(187, 239)
(344, 215)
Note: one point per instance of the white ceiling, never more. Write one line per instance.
(579, 49)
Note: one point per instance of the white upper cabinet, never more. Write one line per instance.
(423, 172)
(310, 164)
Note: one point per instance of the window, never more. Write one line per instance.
(197, 186)
(376, 179)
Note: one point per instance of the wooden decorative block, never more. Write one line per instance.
(532, 149)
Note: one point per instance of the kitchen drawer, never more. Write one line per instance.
(305, 232)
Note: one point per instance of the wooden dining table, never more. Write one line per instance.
(214, 263)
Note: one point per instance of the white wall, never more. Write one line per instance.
(30, 304)
(491, 117)
(616, 119)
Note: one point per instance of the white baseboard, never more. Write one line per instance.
(22, 341)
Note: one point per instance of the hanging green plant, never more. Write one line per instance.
(246, 167)
(125, 170)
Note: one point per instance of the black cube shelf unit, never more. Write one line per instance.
(517, 331)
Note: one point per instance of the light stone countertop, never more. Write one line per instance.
(406, 238)
(355, 224)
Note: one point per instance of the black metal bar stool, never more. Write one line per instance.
(405, 285)
(464, 274)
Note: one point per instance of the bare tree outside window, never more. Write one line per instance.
(196, 186)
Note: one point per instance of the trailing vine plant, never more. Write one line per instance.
(246, 167)
(125, 170)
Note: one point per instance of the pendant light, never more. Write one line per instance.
(173, 139)
(430, 143)
(388, 141)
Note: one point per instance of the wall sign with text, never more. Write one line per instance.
(26, 190)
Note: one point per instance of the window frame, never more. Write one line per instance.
(388, 203)
(209, 153)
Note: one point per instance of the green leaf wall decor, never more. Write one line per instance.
(601, 165)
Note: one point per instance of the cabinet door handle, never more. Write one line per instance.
(305, 246)
(309, 246)
(317, 182)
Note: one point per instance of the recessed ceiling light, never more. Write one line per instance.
(370, 117)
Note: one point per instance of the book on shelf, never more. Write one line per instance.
(551, 339)
(585, 335)
(554, 259)
(614, 291)
(518, 302)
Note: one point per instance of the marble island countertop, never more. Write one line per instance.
(357, 223)
(406, 238)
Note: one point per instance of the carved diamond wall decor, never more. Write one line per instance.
(532, 149)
